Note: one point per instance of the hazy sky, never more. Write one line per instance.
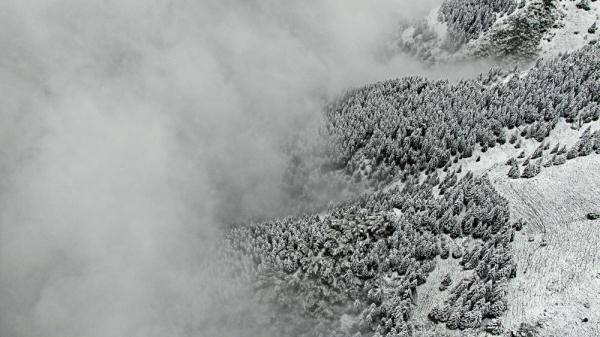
(129, 129)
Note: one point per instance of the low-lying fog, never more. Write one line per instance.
(131, 130)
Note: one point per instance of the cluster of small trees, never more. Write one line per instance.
(543, 156)
(481, 296)
(583, 4)
(588, 142)
(401, 128)
(362, 259)
(419, 40)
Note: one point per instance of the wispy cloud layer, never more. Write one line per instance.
(130, 129)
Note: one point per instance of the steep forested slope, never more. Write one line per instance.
(359, 267)
(505, 31)
(362, 261)
(405, 127)
(468, 19)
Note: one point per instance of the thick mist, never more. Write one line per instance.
(131, 130)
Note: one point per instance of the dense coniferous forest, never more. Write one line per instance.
(468, 19)
(365, 258)
(504, 30)
(401, 128)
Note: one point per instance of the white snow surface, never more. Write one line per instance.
(572, 31)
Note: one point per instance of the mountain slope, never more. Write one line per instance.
(573, 30)
(504, 31)
(441, 211)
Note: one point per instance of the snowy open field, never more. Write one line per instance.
(557, 284)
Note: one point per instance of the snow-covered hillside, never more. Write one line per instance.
(574, 30)
(473, 217)
(459, 193)
(462, 30)
(558, 279)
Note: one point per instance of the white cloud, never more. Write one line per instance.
(129, 128)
